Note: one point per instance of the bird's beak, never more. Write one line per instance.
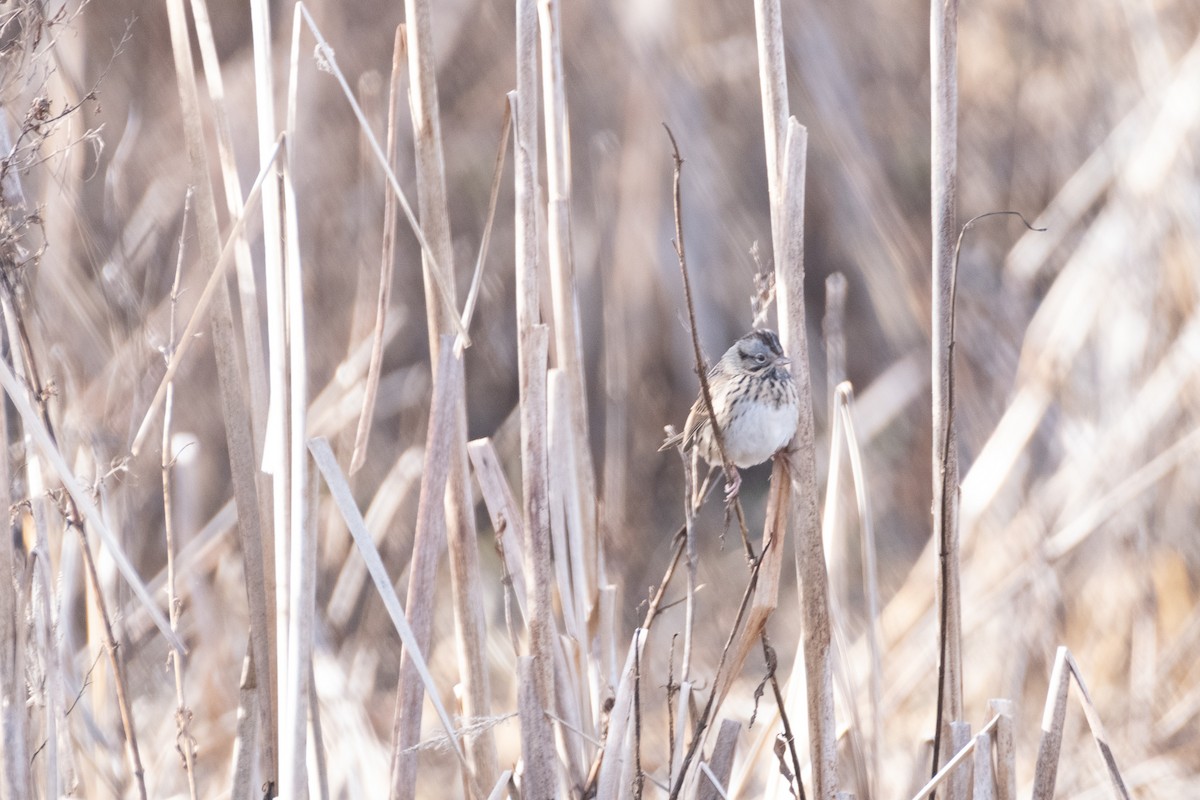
(783, 361)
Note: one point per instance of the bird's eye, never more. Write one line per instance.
(760, 358)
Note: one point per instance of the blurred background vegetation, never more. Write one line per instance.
(1078, 348)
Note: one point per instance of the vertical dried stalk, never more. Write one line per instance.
(13, 751)
(184, 740)
(301, 539)
(469, 617)
(230, 377)
(1053, 716)
(1006, 750)
(772, 75)
(568, 345)
(532, 347)
(983, 786)
(422, 577)
(805, 515)
(943, 50)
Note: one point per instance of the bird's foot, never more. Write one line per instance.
(733, 483)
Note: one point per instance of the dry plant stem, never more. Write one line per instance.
(1053, 719)
(13, 749)
(184, 741)
(943, 50)
(804, 513)
(681, 254)
(874, 636)
(960, 757)
(568, 343)
(1006, 754)
(243, 467)
(386, 263)
(251, 322)
(772, 72)
(533, 340)
(469, 618)
(264, 594)
(301, 536)
(780, 702)
(710, 705)
(834, 329)
(427, 547)
(720, 763)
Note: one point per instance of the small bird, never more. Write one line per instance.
(754, 398)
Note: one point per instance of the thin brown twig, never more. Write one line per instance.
(185, 742)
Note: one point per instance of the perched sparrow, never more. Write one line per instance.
(754, 398)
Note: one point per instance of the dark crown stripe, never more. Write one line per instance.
(769, 339)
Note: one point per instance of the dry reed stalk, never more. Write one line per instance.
(248, 714)
(505, 514)
(720, 762)
(943, 49)
(568, 341)
(559, 454)
(962, 756)
(301, 533)
(427, 548)
(248, 293)
(804, 513)
(772, 75)
(242, 456)
(184, 741)
(874, 636)
(386, 262)
(13, 752)
(532, 352)
(609, 783)
(469, 618)
(537, 741)
(537, 748)
(325, 461)
(266, 633)
(983, 785)
(1006, 752)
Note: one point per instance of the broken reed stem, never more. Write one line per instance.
(469, 618)
(943, 49)
(183, 737)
